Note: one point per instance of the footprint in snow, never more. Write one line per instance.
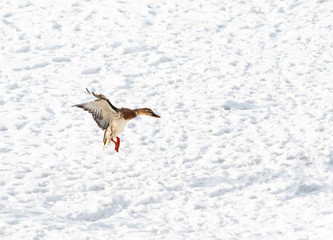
(238, 106)
(91, 70)
(23, 49)
(40, 65)
(61, 59)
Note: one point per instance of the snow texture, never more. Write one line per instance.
(244, 145)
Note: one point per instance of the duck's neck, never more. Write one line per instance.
(128, 114)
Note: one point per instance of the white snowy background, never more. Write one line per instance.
(244, 145)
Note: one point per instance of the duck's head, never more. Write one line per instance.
(147, 112)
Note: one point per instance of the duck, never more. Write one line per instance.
(111, 119)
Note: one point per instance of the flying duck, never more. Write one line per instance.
(110, 118)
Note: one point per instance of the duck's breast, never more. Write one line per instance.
(120, 125)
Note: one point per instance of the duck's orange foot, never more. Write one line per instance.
(116, 143)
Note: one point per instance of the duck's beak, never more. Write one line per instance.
(154, 115)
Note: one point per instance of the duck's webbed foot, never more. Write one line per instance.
(116, 143)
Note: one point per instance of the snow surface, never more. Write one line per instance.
(244, 145)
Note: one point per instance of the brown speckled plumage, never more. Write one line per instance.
(127, 114)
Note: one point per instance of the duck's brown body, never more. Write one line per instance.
(110, 118)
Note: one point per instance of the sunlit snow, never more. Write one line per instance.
(244, 145)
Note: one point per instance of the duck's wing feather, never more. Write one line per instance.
(101, 111)
(101, 96)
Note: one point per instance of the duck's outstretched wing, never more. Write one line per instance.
(102, 97)
(101, 109)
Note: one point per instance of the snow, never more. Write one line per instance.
(244, 145)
